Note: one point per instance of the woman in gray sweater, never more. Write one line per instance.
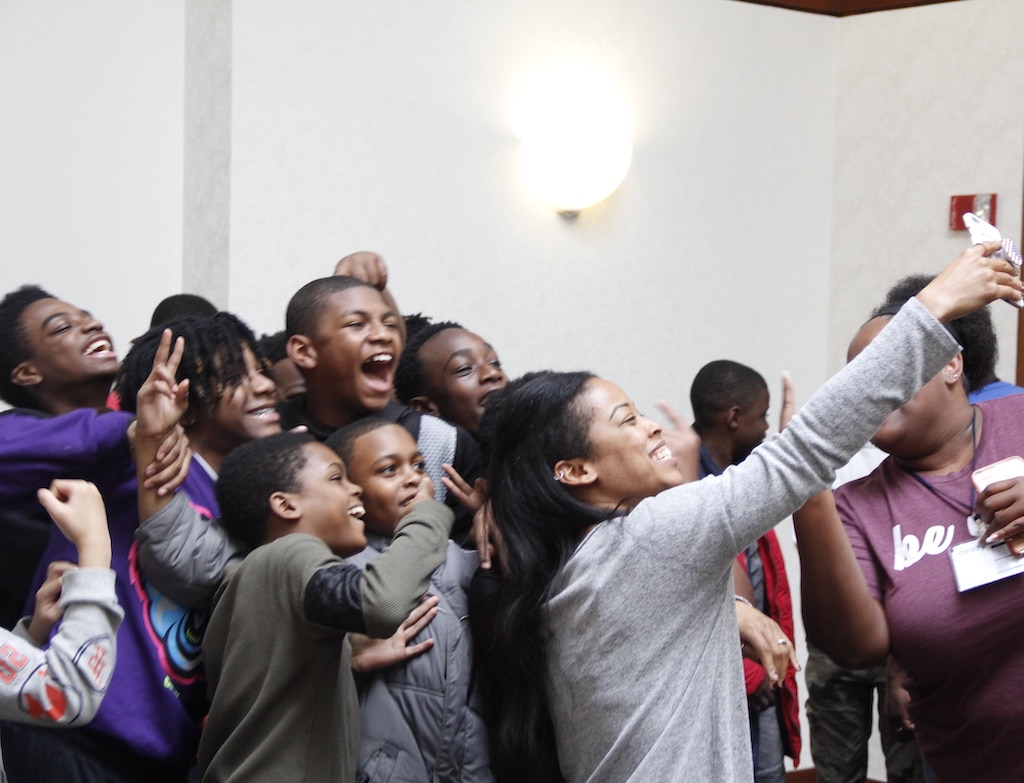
(615, 654)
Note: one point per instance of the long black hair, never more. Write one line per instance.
(540, 421)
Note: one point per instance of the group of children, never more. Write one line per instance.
(400, 435)
(281, 527)
(260, 574)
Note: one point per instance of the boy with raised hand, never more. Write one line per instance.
(730, 410)
(421, 719)
(65, 683)
(283, 699)
(345, 337)
(224, 399)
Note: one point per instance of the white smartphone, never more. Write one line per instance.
(983, 231)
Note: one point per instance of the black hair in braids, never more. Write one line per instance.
(214, 359)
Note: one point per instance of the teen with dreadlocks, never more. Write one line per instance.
(230, 396)
(230, 401)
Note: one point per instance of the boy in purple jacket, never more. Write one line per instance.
(56, 367)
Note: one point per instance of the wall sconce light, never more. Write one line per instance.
(573, 174)
(574, 128)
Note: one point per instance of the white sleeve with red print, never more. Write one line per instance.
(64, 683)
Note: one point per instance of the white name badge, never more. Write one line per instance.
(975, 565)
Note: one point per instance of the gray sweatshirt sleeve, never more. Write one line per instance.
(185, 554)
(65, 683)
(750, 498)
(394, 580)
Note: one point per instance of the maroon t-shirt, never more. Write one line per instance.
(963, 652)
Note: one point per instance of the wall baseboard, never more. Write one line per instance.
(810, 776)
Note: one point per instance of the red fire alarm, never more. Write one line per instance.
(981, 204)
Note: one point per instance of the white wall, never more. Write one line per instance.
(91, 153)
(787, 167)
(929, 108)
(389, 126)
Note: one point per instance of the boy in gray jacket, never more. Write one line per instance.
(420, 719)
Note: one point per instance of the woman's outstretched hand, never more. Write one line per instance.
(974, 279)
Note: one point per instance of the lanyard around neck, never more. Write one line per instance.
(954, 502)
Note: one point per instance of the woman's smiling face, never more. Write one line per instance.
(629, 460)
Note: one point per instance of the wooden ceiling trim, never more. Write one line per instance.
(845, 7)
